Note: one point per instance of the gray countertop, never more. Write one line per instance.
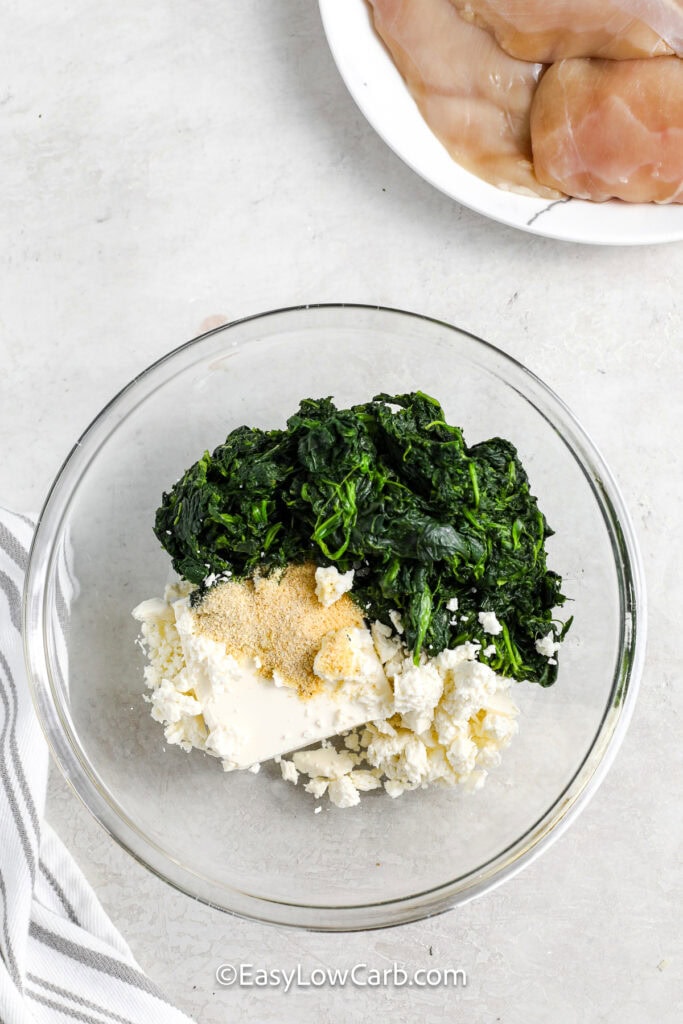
(170, 162)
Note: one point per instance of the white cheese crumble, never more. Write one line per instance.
(325, 762)
(317, 787)
(166, 675)
(547, 646)
(417, 691)
(330, 584)
(170, 705)
(343, 793)
(397, 621)
(289, 772)
(490, 623)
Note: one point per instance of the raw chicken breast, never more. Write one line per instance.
(475, 98)
(549, 30)
(602, 128)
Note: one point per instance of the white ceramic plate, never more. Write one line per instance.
(379, 91)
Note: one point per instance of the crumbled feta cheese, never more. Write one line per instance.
(490, 623)
(170, 705)
(317, 787)
(364, 780)
(488, 756)
(462, 754)
(386, 644)
(417, 687)
(325, 761)
(187, 733)
(330, 584)
(343, 793)
(449, 658)
(352, 741)
(153, 610)
(452, 605)
(383, 728)
(547, 646)
(289, 772)
(397, 621)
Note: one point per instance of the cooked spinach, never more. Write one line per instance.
(390, 490)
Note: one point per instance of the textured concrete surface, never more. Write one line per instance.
(170, 162)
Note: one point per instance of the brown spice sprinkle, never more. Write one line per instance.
(278, 619)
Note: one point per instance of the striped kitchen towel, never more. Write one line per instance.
(61, 959)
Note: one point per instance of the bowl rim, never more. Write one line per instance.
(396, 910)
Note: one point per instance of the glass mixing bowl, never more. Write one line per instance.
(251, 844)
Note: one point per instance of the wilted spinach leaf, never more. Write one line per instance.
(390, 490)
